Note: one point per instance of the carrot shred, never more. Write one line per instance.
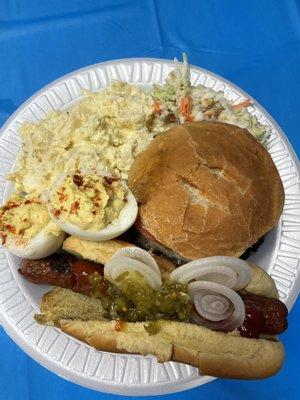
(156, 106)
(242, 104)
(185, 107)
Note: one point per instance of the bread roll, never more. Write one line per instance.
(214, 353)
(101, 252)
(261, 283)
(98, 252)
(206, 188)
(61, 303)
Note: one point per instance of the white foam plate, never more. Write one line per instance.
(19, 299)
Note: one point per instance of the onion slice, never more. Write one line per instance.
(117, 266)
(137, 254)
(196, 270)
(217, 306)
(215, 269)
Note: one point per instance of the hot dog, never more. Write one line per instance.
(219, 350)
(263, 314)
(214, 353)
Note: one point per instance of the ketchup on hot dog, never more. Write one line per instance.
(82, 272)
(263, 315)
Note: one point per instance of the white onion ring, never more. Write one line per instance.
(137, 254)
(217, 306)
(215, 266)
(195, 270)
(212, 307)
(117, 266)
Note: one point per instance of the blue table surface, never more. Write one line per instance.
(255, 44)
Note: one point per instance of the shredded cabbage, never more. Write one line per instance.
(177, 101)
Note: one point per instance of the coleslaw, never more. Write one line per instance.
(178, 101)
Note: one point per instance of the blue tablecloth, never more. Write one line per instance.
(255, 44)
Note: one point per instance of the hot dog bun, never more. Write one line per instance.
(61, 303)
(260, 283)
(100, 252)
(214, 353)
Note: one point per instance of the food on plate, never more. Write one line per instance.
(180, 171)
(260, 283)
(179, 101)
(228, 271)
(61, 303)
(26, 229)
(92, 206)
(101, 252)
(213, 353)
(132, 261)
(61, 270)
(92, 256)
(205, 188)
(200, 315)
(270, 316)
(70, 271)
(98, 252)
(107, 129)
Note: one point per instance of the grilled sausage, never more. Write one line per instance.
(61, 270)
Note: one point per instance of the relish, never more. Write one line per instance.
(134, 300)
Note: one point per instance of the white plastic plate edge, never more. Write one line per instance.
(73, 360)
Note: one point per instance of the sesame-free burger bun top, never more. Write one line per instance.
(206, 188)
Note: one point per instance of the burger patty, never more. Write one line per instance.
(253, 248)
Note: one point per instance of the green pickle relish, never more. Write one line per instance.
(134, 300)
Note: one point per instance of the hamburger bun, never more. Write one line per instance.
(206, 188)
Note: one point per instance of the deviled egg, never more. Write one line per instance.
(26, 229)
(92, 206)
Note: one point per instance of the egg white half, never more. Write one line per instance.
(118, 226)
(41, 245)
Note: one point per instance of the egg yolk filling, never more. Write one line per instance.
(90, 202)
(22, 218)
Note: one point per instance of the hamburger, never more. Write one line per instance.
(204, 189)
